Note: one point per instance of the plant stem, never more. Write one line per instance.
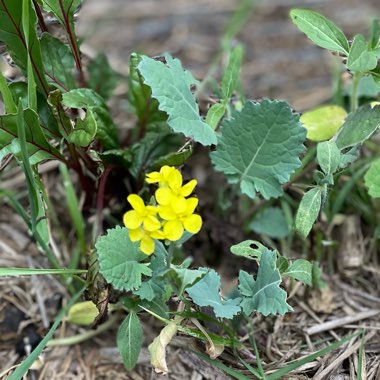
(354, 92)
(79, 338)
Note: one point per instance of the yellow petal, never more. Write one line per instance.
(173, 230)
(191, 204)
(136, 235)
(151, 210)
(151, 223)
(164, 196)
(158, 234)
(187, 189)
(136, 202)
(153, 177)
(174, 179)
(147, 245)
(167, 213)
(193, 223)
(132, 219)
(179, 205)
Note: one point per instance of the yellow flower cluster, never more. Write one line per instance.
(172, 214)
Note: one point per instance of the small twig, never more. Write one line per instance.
(341, 322)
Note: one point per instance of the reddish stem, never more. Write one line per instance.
(41, 20)
(73, 44)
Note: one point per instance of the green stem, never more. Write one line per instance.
(354, 92)
(79, 338)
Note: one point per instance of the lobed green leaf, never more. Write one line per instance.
(264, 294)
(170, 85)
(206, 293)
(259, 147)
(120, 260)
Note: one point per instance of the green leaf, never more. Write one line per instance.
(82, 98)
(358, 127)
(139, 96)
(206, 293)
(157, 285)
(172, 159)
(271, 222)
(187, 277)
(323, 122)
(170, 85)
(58, 62)
(361, 59)
(328, 156)
(12, 34)
(374, 40)
(320, 30)
(259, 147)
(308, 211)
(119, 260)
(372, 179)
(300, 270)
(231, 75)
(368, 88)
(157, 306)
(86, 98)
(264, 294)
(316, 275)
(214, 114)
(47, 120)
(64, 10)
(245, 249)
(85, 130)
(102, 77)
(129, 340)
(153, 149)
(37, 144)
(38, 222)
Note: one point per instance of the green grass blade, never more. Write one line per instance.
(279, 374)
(28, 362)
(32, 271)
(346, 190)
(229, 371)
(32, 93)
(237, 21)
(360, 358)
(75, 215)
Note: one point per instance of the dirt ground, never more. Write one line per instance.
(279, 63)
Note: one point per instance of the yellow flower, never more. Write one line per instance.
(176, 221)
(145, 238)
(170, 181)
(175, 210)
(141, 215)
